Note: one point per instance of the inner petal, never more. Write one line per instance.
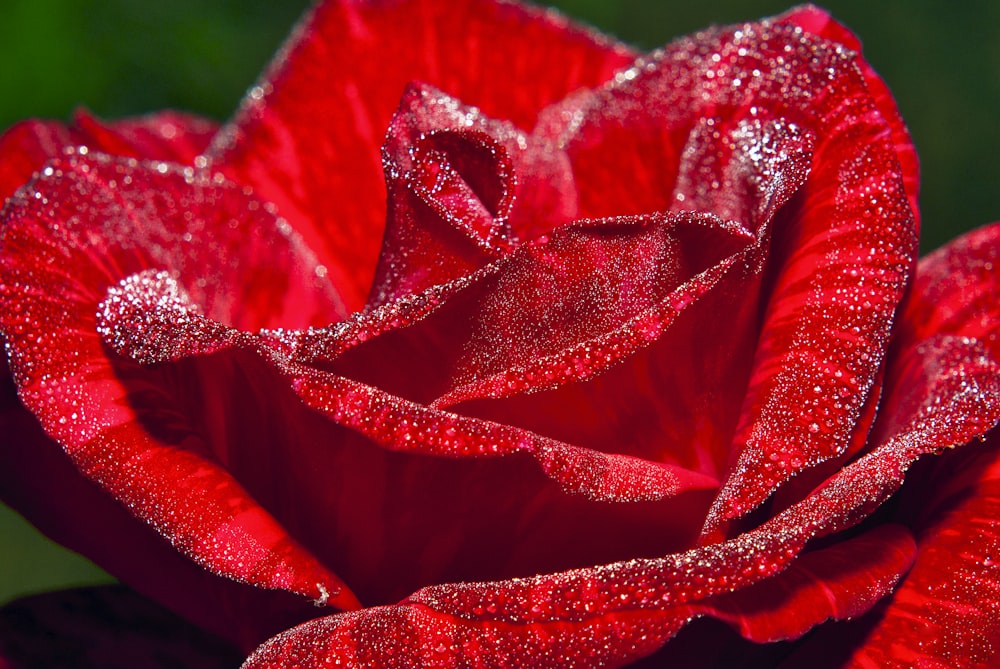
(463, 189)
(386, 510)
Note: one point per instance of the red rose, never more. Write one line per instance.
(652, 330)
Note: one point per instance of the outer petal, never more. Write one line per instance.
(955, 292)
(818, 22)
(308, 136)
(79, 228)
(945, 612)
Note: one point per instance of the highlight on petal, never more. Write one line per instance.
(313, 148)
(84, 224)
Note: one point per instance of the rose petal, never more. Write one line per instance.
(308, 137)
(944, 613)
(67, 508)
(463, 189)
(835, 583)
(83, 225)
(840, 268)
(615, 613)
(149, 318)
(836, 259)
(103, 628)
(170, 136)
(817, 21)
(402, 507)
(955, 292)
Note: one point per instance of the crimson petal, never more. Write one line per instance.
(88, 222)
(944, 613)
(833, 265)
(149, 318)
(818, 22)
(835, 583)
(308, 136)
(244, 615)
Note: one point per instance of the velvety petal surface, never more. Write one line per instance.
(87, 222)
(308, 135)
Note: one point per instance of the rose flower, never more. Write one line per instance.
(513, 348)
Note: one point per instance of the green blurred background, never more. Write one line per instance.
(120, 57)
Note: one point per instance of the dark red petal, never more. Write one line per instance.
(308, 137)
(945, 612)
(103, 628)
(835, 261)
(421, 519)
(84, 225)
(841, 260)
(150, 319)
(78, 514)
(584, 299)
(169, 136)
